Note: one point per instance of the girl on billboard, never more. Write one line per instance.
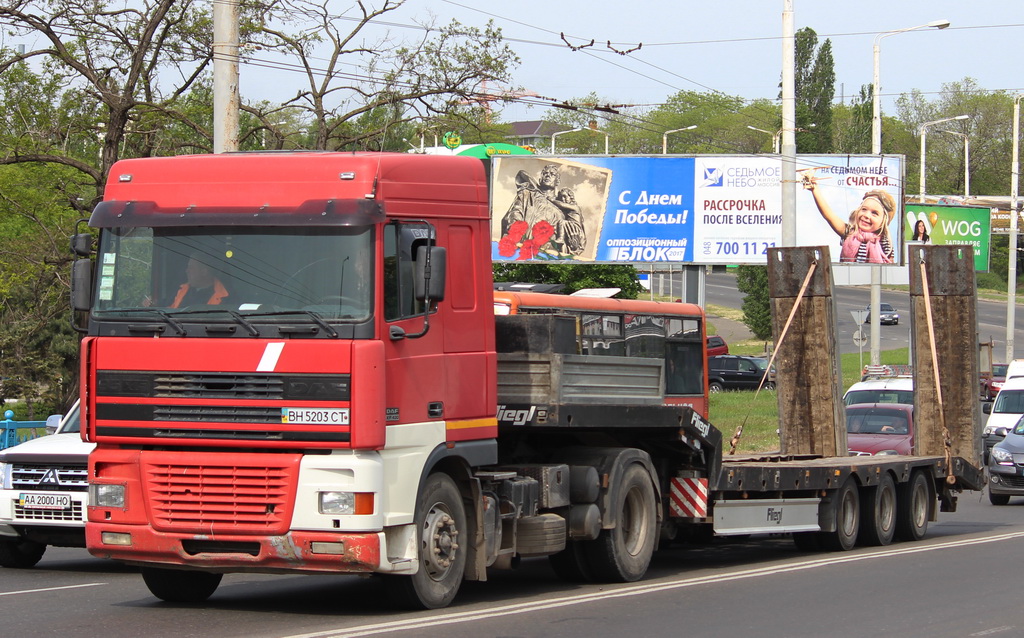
(865, 236)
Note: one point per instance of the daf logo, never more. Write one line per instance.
(50, 478)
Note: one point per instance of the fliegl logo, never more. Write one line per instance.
(712, 176)
(516, 415)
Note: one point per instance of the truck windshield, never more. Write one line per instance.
(235, 274)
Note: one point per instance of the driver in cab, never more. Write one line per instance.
(201, 286)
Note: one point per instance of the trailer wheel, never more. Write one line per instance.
(998, 499)
(180, 586)
(878, 513)
(571, 563)
(441, 520)
(20, 553)
(847, 519)
(623, 553)
(913, 504)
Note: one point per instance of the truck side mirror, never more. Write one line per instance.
(81, 284)
(81, 244)
(431, 265)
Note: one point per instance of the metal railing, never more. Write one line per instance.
(14, 432)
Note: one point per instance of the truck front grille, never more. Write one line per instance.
(50, 478)
(217, 497)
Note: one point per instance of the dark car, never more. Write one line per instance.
(733, 372)
(886, 315)
(717, 346)
(879, 428)
(1006, 466)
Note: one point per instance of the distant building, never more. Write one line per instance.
(535, 133)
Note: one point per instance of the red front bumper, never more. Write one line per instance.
(292, 552)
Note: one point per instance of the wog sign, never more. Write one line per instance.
(950, 226)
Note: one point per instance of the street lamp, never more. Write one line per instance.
(778, 134)
(967, 160)
(1011, 276)
(582, 128)
(664, 138)
(923, 130)
(876, 109)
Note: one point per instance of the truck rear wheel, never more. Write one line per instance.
(847, 504)
(623, 553)
(913, 506)
(20, 553)
(180, 586)
(440, 522)
(878, 513)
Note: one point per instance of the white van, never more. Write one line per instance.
(1005, 411)
(1015, 369)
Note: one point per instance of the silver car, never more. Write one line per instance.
(1006, 467)
(887, 315)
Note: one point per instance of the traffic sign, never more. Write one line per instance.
(859, 338)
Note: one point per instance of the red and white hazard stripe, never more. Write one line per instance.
(688, 497)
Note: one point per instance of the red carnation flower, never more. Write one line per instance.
(507, 246)
(542, 232)
(517, 230)
(528, 250)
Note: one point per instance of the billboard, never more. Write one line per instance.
(951, 225)
(706, 209)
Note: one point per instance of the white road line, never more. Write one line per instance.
(36, 591)
(641, 589)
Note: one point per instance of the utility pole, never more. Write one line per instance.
(788, 155)
(226, 101)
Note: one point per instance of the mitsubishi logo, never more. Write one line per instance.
(50, 478)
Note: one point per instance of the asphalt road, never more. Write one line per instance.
(720, 290)
(956, 582)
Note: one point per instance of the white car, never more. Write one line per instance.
(43, 494)
(887, 390)
(1003, 413)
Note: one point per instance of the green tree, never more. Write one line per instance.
(574, 276)
(757, 310)
(815, 81)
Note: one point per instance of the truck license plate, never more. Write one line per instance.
(315, 416)
(45, 501)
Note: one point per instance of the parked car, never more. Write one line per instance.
(733, 372)
(886, 314)
(1006, 466)
(717, 346)
(880, 428)
(1003, 413)
(889, 390)
(990, 385)
(43, 494)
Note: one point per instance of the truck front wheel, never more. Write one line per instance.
(20, 553)
(441, 532)
(623, 553)
(180, 586)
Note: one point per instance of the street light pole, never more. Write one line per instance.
(664, 138)
(876, 107)
(876, 149)
(582, 128)
(1011, 276)
(923, 130)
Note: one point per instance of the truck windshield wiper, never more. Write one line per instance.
(180, 329)
(234, 315)
(309, 313)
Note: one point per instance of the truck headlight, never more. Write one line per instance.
(106, 495)
(346, 503)
(1001, 456)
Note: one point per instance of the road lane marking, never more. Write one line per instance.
(36, 591)
(642, 589)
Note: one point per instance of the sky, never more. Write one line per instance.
(730, 46)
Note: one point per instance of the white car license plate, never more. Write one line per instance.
(315, 416)
(45, 501)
